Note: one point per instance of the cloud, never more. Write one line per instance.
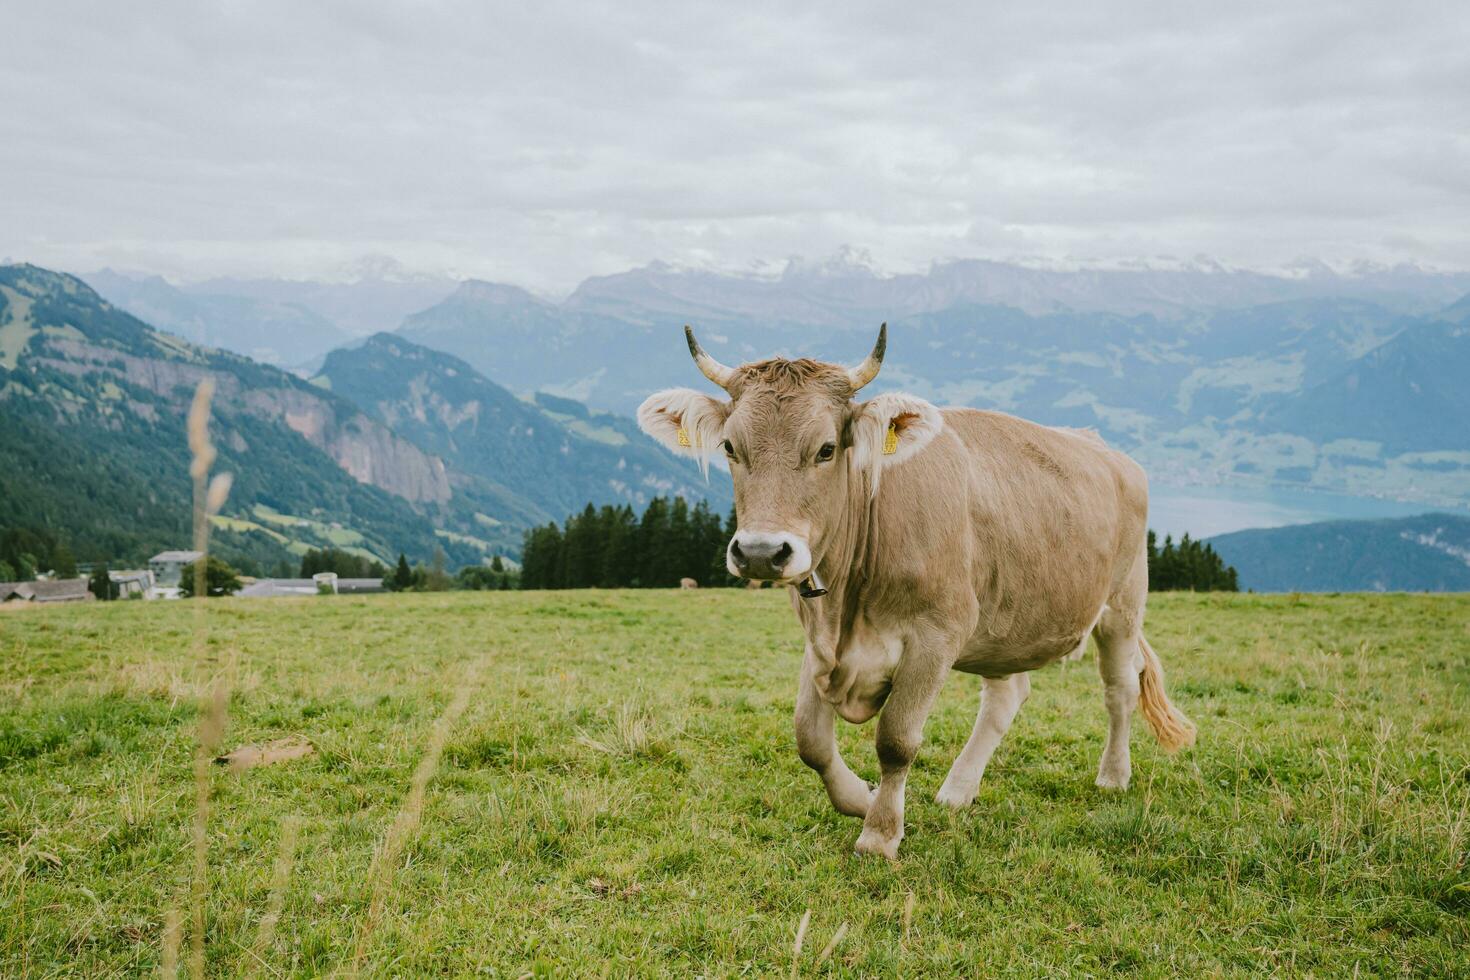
(543, 143)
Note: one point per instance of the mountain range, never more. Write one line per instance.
(1339, 393)
(1344, 381)
(290, 324)
(552, 455)
(1429, 552)
(92, 444)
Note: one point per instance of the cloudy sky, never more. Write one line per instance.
(541, 143)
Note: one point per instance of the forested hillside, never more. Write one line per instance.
(93, 448)
(93, 452)
(553, 454)
(1430, 552)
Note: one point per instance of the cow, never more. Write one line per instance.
(918, 540)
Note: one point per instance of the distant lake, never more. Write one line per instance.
(1207, 511)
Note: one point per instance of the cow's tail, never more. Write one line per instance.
(1170, 727)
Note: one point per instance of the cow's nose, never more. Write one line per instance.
(761, 556)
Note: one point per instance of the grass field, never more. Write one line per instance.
(616, 791)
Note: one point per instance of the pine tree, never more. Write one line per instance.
(437, 579)
(653, 531)
(541, 558)
(584, 546)
(719, 569)
(617, 556)
(62, 562)
(1188, 565)
(402, 574)
(708, 538)
(677, 560)
(101, 584)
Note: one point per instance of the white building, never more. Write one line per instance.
(168, 567)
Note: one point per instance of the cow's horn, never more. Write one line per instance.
(868, 370)
(713, 369)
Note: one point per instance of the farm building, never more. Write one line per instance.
(55, 590)
(270, 587)
(168, 567)
(130, 582)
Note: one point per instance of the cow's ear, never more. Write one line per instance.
(891, 428)
(687, 421)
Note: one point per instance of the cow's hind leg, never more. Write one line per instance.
(1119, 660)
(816, 743)
(1000, 699)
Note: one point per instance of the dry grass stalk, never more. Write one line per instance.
(831, 947)
(285, 862)
(209, 497)
(211, 727)
(908, 915)
(409, 815)
(172, 928)
(806, 920)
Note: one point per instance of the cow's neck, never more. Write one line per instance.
(845, 567)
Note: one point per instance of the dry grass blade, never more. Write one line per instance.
(208, 498)
(409, 815)
(280, 750)
(908, 915)
(285, 861)
(831, 947)
(172, 934)
(806, 920)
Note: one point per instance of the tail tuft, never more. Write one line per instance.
(1170, 727)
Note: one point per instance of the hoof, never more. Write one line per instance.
(952, 798)
(1112, 782)
(871, 842)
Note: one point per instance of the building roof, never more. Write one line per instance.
(360, 585)
(266, 587)
(180, 556)
(278, 586)
(57, 590)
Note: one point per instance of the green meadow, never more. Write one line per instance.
(605, 783)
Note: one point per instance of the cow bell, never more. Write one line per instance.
(812, 587)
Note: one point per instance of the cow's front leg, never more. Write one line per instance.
(919, 676)
(816, 743)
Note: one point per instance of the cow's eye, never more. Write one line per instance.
(826, 452)
(729, 450)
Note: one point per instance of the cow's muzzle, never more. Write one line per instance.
(768, 557)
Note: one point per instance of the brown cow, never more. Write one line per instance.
(950, 539)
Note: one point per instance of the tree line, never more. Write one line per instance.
(614, 548)
(1189, 565)
(26, 552)
(608, 547)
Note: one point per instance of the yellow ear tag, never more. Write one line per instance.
(890, 441)
(684, 437)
